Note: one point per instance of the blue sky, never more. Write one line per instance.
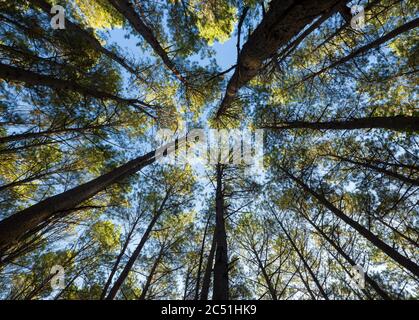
(226, 53)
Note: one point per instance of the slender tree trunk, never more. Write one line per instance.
(306, 285)
(47, 133)
(389, 173)
(399, 233)
(30, 146)
(221, 285)
(398, 123)
(206, 281)
(339, 249)
(392, 253)
(284, 20)
(118, 259)
(87, 37)
(127, 10)
(265, 275)
(68, 285)
(314, 26)
(151, 275)
(26, 180)
(187, 280)
(374, 44)
(31, 78)
(345, 25)
(201, 259)
(124, 273)
(306, 265)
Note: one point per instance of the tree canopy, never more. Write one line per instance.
(85, 185)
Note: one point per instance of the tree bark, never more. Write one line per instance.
(284, 20)
(221, 286)
(16, 226)
(398, 123)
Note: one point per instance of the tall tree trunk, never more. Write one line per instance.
(47, 133)
(265, 275)
(374, 44)
(201, 258)
(306, 285)
(124, 273)
(389, 173)
(392, 253)
(16, 226)
(127, 10)
(206, 281)
(339, 249)
(398, 123)
(187, 281)
(87, 37)
(31, 78)
(151, 274)
(284, 20)
(118, 259)
(306, 265)
(221, 285)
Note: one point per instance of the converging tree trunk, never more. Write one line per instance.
(201, 258)
(283, 21)
(47, 133)
(127, 10)
(397, 123)
(87, 37)
(16, 226)
(348, 259)
(151, 274)
(392, 253)
(206, 281)
(119, 258)
(374, 44)
(124, 273)
(386, 172)
(221, 285)
(31, 78)
(300, 255)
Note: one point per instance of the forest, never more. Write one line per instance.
(106, 195)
